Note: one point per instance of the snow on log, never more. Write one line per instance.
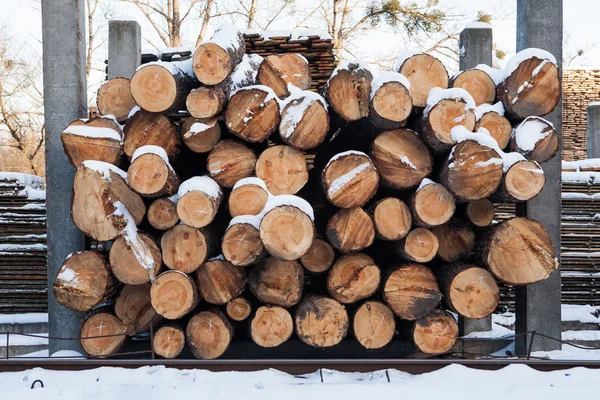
(280, 70)
(390, 102)
(304, 120)
(491, 118)
(424, 72)
(114, 98)
(536, 139)
(350, 179)
(431, 204)
(199, 201)
(128, 267)
(199, 135)
(348, 90)
(253, 113)
(216, 58)
(478, 83)
(98, 138)
(150, 173)
(248, 197)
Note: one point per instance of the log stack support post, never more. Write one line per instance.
(540, 25)
(124, 48)
(476, 47)
(593, 130)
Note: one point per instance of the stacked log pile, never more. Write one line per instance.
(220, 225)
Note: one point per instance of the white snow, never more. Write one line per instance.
(15, 339)
(386, 77)
(514, 62)
(105, 169)
(27, 318)
(340, 182)
(270, 93)
(356, 63)
(33, 181)
(581, 313)
(33, 194)
(346, 153)
(203, 184)
(152, 149)
(184, 67)
(240, 73)
(198, 127)
(497, 75)
(438, 94)
(477, 25)
(219, 257)
(578, 165)
(253, 220)
(66, 354)
(251, 181)
(581, 177)
(133, 111)
(288, 200)
(226, 36)
(294, 107)
(68, 276)
(405, 160)
(529, 132)
(405, 56)
(294, 34)
(425, 182)
(482, 109)
(497, 331)
(96, 132)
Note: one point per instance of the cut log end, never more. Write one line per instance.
(350, 180)
(219, 281)
(435, 333)
(184, 248)
(174, 294)
(229, 161)
(478, 84)
(498, 127)
(536, 139)
(319, 257)
(469, 290)
(212, 63)
(94, 139)
(201, 135)
(241, 245)
(350, 229)
(283, 169)
(134, 308)
(438, 122)
(353, 277)
(277, 282)
(480, 213)
(126, 267)
(154, 88)
(238, 309)
(102, 335)
(247, 200)
(271, 326)
(432, 205)
(169, 341)
(205, 102)
(307, 130)
(321, 321)
(523, 181)
(411, 291)
(146, 128)
(209, 334)
(162, 214)
(151, 176)
(391, 106)
(279, 70)
(456, 242)
(374, 325)
(348, 92)
(424, 72)
(287, 232)
(114, 98)
(392, 219)
(252, 115)
(197, 208)
(420, 245)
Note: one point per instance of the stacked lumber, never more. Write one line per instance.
(237, 232)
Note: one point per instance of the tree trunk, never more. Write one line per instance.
(321, 321)
(209, 334)
(352, 278)
(185, 248)
(220, 281)
(319, 257)
(439, 120)
(432, 205)
(248, 197)
(522, 182)
(238, 309)
(373, 325)
(411, 291)
(277, 282)
(199, 201)
(241, 244)
(215, 59)
(304, 121)
(174, 294)
(230, 161)
(134, 308)
(102, 334)
(350, 229)
(271, 326)
(350, 179)
(480, 213)
(424, 72)
(392, 219)
(455, 241)
(498, 127)
(162, 213)
(536, 139)
(127, 268)
(279, 70)
(283, 169)
(478, 84)
(169, 341)
(114, 98)
(94, 139)
(201, 136)
(391, 102)
(435, 333)
(145, 128)
(150, 173)
(252, 114)
(420, 245)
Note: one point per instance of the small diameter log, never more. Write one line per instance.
(277, 282)
(94, 139)
(271, 326)
(174, 294)
(432, 204)
(220, 281)
(522, 182)
(238, 309)
(126, 267)
(518, 251)
(348, 91)
(253, 113)
(209, 334)
(469, 290)
(150, 173)
(216, 58)
(420, 245)
(435, 333)
(321, 321)
(102, 334)
(304, 120)
(402, 158)
(283, 169)
(162, 213)
(472, 171)
(84, 281)
(491, 118)
(373, 325)
(146, 128)
(456, 242)
(319, 257)
(248, 197)
(352, 278)
(279, 70)
(480, 213)
(185, 248)
(134, 308)
(532, 85)
(241, 244)
(411, 291)
(424, 72)
(478, 84)
(350, 179)
(201, 135)
(169, 341)
(199, 201)
(391, 102)
(98, 189)
(392, 219)
(114, 98)
(229, 161)
(163, 86)
(536, 139)
(350, 229)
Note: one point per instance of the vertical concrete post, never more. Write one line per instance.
(476, 47)
(124, 48)
(65, 99)
(540, 24)
(593, 130)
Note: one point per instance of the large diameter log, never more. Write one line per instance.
(491, 118)
(150, 173)
(216, 58)
(472, 171)
(518, 251)
(126, 267)
(522, 182)
(277, 282)
(350, 179)
(435, 333)
(162, 213)
(174, 294)
(432, 204)
(411, 291)
(146, 128)
(201, 135)
(348, 91)
(402, 158)
(168, 341)
(102, 334)
(373, 325)
(271, 326)
(480, 213)
(455, 242)
(352, 278)
(441, 117)
(279, 70)
(248, 197)
(199, 201)
(536, 139)
(420, 245)
(392, 219)
(321, 321)
(532, 85)
(209, 334)
(133, 307)
(350, 229)
(238, 309)
(84, 281)
(230, 161)
(424, 72)
(185, 248)
(319, 257)
(478, 83)
(114, 98)
(304, 121)
(220, 281)
(468, 290)
(241, 244)
(391, 102)
(253, 113)
(283, 169)
(94, 139)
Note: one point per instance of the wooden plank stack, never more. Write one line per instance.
(233, 231)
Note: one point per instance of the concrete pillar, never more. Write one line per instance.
(540, 24)
(124, 48)
(65, 99)
(476, 47)
(593, 130)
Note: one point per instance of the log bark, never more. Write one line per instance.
(84, 281)
(432, 205)
(230, 161)
(480, 213)
(420, 245)
(350, 179)
(127, 268)
(209, 334)
(114, 98)
(253, 114)
(241, 244)
(304, 121)
(424, 72)
(201, 135)
(94, 139)
(391, 104)
(215, 59)
(220, 281)
(199, 201)
(319, 257)
(321, 321)
(392, 219)
(522, 182)
(174, 294)
(283, 169)
(238, 309)
(169, 341)
(439, 120)
(456, 241)
(185, 248)
(435, 333)
(350, 229)
(146, 128)
(536, 139)
(162, 213)
(402, 158)
(151, 175)
(279, 70)
(133, 307)
(373, 325)
(478, 84)
(248, 197)
(277, 282)
(411, 291)
(348, 91)
(271, 326)
(497, 125)
(352, 278)
(102, 334)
